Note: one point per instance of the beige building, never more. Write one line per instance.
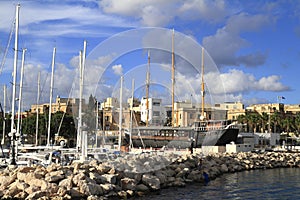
(187, 113)
(292, 108)
(66, 105)
(234, 109)
(266, 108)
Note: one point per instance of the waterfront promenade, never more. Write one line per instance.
(131, 174)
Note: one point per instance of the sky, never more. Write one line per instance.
(251, 48)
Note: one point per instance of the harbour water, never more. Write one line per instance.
(280, 183)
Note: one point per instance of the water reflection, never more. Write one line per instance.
(281, 183)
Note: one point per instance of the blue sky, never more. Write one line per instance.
(254, 45)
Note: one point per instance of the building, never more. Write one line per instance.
(187, 113)
(156, 112)
(66, 105)
(266, 108)
(294, 109)
(234, 109)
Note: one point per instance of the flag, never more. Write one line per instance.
(280, 98)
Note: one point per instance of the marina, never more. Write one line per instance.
(184, 130)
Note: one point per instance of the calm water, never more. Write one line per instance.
(257, 184)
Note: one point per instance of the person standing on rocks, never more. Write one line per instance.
(192, 146)
(206, 178)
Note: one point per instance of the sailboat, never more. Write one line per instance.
(203, 132)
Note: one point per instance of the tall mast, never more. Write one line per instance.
(147, 90)
(83, 132)
(120, 113)
(12, 130)
(97, 123)
(4, 111)
(51, 93)
(37, 110)
(80, 102)
(131, 114)
(173, 80)
(82, 55)
(20, 92)
(202, 85)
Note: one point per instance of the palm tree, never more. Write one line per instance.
(297, 123)
(264, 117)
(253, 119)
(288, 123)
(242, 119)
(276, 119)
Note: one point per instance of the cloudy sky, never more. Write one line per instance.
(252, 48)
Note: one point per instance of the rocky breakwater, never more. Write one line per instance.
(129, 175)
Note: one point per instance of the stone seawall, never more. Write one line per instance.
(130, 175)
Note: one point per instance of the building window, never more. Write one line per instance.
(156, 113)
(156, 103)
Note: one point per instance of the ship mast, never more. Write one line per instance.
(80, 103)
(12, 130)
(20, 92)
(173, 81)
(147, 90)
(120, 114)
(37, 110)
(4, 117)
(202, 117)
(51, 93)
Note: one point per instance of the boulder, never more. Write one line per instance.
(107, 187)
(90, 189)
(109, 178)
(151, 181)
(54, 176)
(128, 184)
(37, 195)
(66, 183)
(142, 188)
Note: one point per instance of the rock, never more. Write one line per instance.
(37, 195)
(224, 168)
(32, 189)
(54, 176)
(25, 169)
(142, 188)
(40, 183)
(7, 180)
(20, 185)
(75, 193)
(109, 178)
(162, 177)
(91, 189)
(12, 191)
(62, 191)
(128, 184)
(130, 193)
(122, 194)
(66, 183)
(78, 177)
(107, 187)
(151, 181)
(21, 195)
(182, 173)
(195, 176)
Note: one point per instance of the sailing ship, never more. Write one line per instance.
(202, 132)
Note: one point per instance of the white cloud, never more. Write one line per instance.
(236, 81)
(227, 42)
(118, 70)
(53, 19)
(162, 12)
